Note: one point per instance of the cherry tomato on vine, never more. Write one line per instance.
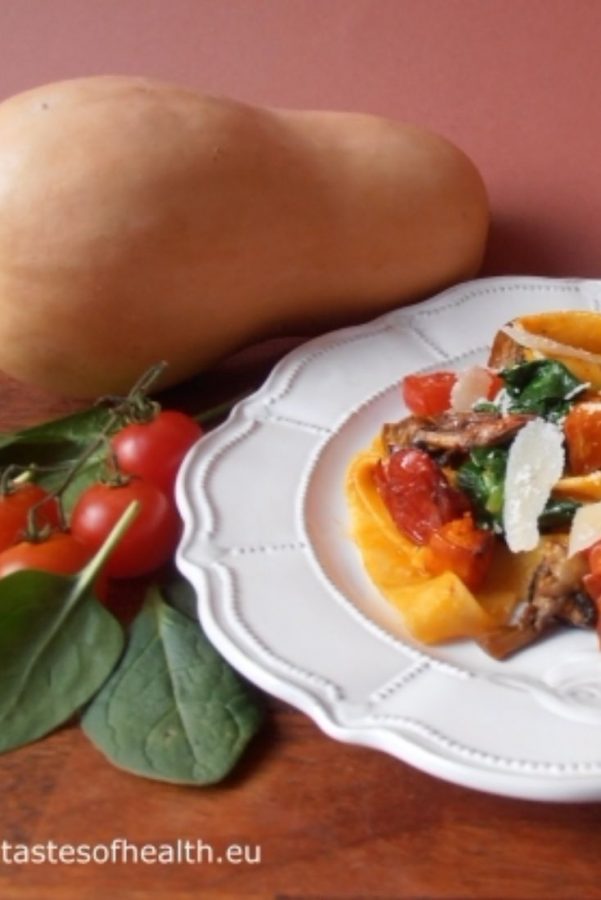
(59, 553)
(150, 540)
(154, 450)
(14, 511)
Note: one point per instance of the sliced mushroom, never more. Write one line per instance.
(453, 431)
(555, 590)
(555, 596)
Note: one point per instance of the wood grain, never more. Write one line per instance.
(329, 820)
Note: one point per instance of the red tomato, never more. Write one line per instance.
(417, 493)
(429, 394)
(59, 553)
(14, 511)
(151, 539)
(154, 450)
(582, 428)
(458, 546)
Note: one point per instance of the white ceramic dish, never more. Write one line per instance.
(283, 596)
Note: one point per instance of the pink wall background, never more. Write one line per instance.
(517, 83)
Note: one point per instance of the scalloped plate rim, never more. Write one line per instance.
(545, 787)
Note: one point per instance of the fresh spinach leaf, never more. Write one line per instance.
(54, 447)
(58, 644)
(179, 593)
(173, 709)
(54, 440)
(543, 387)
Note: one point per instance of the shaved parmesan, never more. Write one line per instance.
(586, 528)
(547, 345)
(534, 464)
(472, 385)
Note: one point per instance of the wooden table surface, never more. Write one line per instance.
(315, 818)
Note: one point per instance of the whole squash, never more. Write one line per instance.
(141, 221)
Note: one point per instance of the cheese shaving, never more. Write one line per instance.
(472, 385)
(586, 528)
(534, 464)
(547, 345)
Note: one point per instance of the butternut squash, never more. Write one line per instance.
(141, 221)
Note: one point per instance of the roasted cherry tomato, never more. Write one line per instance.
(417, 493)
(15, 506)
(59, 553)
(151, 539)
(154, 450)
(460, 547)
(428, 394)
(582, 428)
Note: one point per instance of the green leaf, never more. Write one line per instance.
(179, 593)
(482, 477)
(173, 709)
(58, 644)
(543, 387)
(60, 443)
(54, 440)
(557, 513)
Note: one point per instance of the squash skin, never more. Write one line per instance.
(140, 221)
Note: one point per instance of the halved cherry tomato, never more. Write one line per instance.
(15, 506)
(59, 553)
(582, 428)
(154, 450)
(151, 539)
(417, 493)
(428, 394)
(460, 547)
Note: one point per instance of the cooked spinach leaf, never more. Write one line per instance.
(482, 477)
(173, 709)
(557, 513)
(544, 387)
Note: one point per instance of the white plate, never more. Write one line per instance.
(283, 596)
